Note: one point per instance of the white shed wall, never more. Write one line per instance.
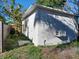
(42, 27)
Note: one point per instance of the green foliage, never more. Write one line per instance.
(19, 53)
(11, 41)
(74, 43)
(11, 6)
(13, 10)
(25, 52)
(1, 18)
(5, 0)
(52, 3)
(34, 52)
(13, 1)
(9, 57)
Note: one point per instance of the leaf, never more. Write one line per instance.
(5, 0)
(12, 6)
(51, 3)
(74, 1)
(13, 1)
(20, 6)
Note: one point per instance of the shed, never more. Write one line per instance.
(49, 26)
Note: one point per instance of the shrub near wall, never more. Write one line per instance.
(11, 41)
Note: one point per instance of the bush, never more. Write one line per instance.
(11, 41)
(23, 37)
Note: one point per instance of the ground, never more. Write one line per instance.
(51, 52)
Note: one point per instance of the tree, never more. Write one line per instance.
(13, 10)
(71, 6)
(52, 3)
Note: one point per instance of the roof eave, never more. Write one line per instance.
(50, 10)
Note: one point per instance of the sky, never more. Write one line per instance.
(26, 3)
(71, 6)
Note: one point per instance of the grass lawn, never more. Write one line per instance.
(67, 51)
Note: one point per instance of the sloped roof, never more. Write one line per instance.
(49, 9)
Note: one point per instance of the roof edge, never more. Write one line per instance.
(32, 8)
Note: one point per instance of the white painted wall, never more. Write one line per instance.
(31, 30)
(48, 34)
(45, 28)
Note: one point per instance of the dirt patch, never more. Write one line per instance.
(57, 53)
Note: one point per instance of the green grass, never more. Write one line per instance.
(15, 54)
(74, 43)
(32, 52)
(25, 52)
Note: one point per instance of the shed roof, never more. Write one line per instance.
(49, 9)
